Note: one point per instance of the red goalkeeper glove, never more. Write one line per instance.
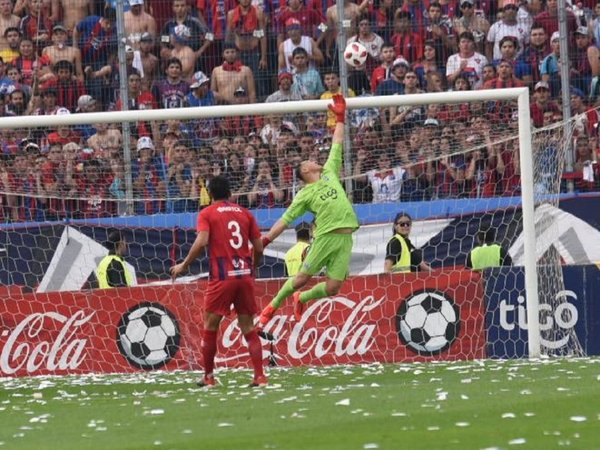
(265, 241)
(338, 108)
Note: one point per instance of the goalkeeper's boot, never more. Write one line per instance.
(266, 315)
(260, 381)
(298, 306)
(207, 381)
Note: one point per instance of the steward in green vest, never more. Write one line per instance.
(487, 253)
(112, 272)
(401, 255)
(295, 255)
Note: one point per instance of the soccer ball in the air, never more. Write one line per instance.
(355, 54)
(428, 322)
(148, 335)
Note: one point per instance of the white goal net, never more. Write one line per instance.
(438, 172)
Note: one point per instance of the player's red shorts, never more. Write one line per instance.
(220, 295)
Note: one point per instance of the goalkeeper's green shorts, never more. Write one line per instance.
(332, 251)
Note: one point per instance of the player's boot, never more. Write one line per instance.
(260, 381)
(266, 315)
(207, 381)
(298, 306)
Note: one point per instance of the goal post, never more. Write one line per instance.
(520, 95)
(437, 170)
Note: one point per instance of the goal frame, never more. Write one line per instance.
(520, 95)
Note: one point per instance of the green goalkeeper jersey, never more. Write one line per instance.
(326, 199)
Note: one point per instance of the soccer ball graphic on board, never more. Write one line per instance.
(428, 322)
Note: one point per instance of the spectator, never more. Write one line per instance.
(104, 139)
(10, 52)
(476, 23)
(383, 12)
(207, 130)
(7, 20)
(428, 64)
(550, 69)
(549, 19)
(53, 183)
(371, 41)
(179, 179)
(149, 61)
(385, 181)
(60, 51)
(586, 119)
(408, 44)
(485, 167)
(351, 14)
(530, 59)
(171, 92)
(394, 84)
(17, 104)
(265, 193)
(285, 92)
(297, 39)
(201, 176)
(447, 171)
(383, 71)
(64, 134)
(581, 69)
(68, 88)
(310, 21)
(408, 116)
(439, 30)
(295, 255)
(48, 105)
(148, 176)
(98, 43)
(332, 83)
(29, 64)
(233, 80)
(36, 26)
(434, 82)
(71, 12)
(509, 48)
(247, 29)
(507, 26)
(401, 256)
(307, 81)
(586, 165)
(487, 253)
(467, 62)
(137, 22)
(181, 50)
(197, 30)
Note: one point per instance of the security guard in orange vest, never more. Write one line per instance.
(111, 271)
(487, 253)
(401, 255)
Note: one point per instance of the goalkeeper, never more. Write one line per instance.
(335, 220)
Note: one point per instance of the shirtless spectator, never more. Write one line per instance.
(171, 91)
(351, 13)
(71, 12)
(7, 20)
(137, 22)
(233, 80)
(180, 43)
(105, 138)
(36, 25)
(246, 28)
(60, 51)
(149, 61)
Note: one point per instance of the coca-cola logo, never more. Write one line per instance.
(320, 332)
(25, 350)
(148, 335)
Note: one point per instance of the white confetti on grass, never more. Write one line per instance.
(578, 418)
(156, 412)
(371, 445)
(517, 441)
(399, 414)
(224, 424)
(508, 415)
(343, 402)
(433, 428)
(462, 424)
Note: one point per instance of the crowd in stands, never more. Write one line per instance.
(61, 57)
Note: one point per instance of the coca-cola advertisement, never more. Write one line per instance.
(375, 318)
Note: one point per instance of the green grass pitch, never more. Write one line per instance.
(543, 404)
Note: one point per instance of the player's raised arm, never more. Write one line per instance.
(333, 166)
(277, 228)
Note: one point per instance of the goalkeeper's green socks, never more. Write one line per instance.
(316, 292)
(285, 291)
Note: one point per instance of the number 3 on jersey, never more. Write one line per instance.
(236, 240)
